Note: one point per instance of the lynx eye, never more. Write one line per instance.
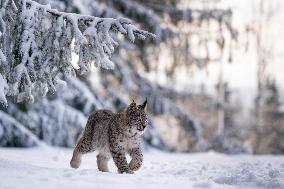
(143, 120)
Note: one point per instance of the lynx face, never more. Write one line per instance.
(137, 118)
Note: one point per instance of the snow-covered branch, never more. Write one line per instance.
(36, 44)
(14, 133)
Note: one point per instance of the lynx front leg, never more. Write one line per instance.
(119, 159)
(102, 161)
(137, 159)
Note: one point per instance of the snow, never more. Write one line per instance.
(3, 90)
(2, 56)
(49, 168)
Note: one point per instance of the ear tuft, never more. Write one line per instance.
(144, 105)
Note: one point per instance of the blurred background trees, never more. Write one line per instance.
(207, 77)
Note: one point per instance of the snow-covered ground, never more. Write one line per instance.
(49, 168)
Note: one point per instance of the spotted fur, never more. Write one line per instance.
(114, 135)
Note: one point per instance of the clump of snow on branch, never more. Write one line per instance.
(36, 46)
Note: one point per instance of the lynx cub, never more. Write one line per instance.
(114, 135)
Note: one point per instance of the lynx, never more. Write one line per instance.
(114, 135)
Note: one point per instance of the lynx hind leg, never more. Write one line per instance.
(76, 159)
(102, 162)
(83, 146)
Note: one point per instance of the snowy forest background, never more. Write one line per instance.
(213, 77)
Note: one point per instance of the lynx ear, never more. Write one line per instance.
(144, 105)
(133, 104)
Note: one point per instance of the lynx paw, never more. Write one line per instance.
(135, 166)
(126, 171)
(75, 162)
